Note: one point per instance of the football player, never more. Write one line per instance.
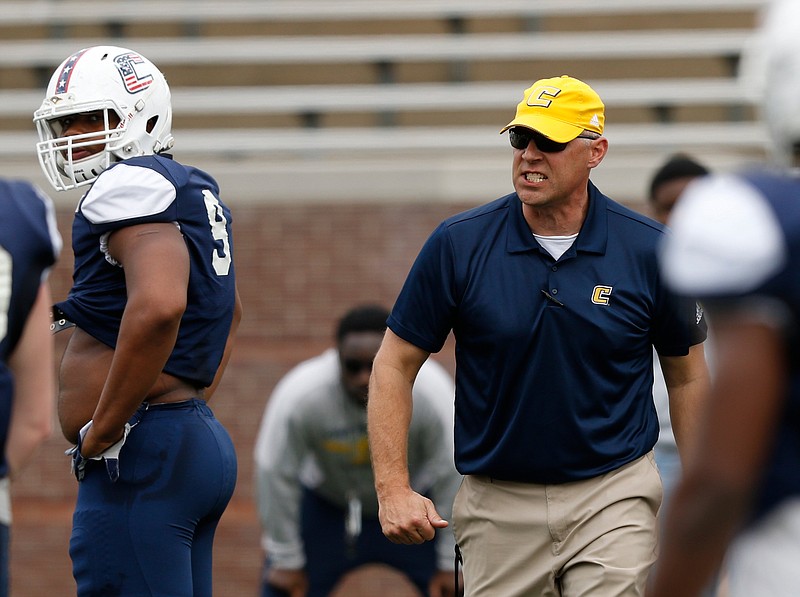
(151, 314)
(736, 244)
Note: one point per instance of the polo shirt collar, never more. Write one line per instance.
(592, 238)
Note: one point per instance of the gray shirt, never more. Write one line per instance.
(314, 435)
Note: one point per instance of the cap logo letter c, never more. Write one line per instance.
(542, 97)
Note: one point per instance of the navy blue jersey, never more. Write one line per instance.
(29, 245)
(737, 240)
(553, 357)
(157, 189)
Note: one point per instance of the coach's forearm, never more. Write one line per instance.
(389, 410)
(688, 385)
(388, 418)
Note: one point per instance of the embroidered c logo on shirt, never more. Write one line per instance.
(601, 295)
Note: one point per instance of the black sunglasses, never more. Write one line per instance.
(355, 366)
(521, 137)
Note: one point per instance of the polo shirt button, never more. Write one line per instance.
(554, 291)
(554, 268)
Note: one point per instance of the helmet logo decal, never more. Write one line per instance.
(66, 71)
(125, 65)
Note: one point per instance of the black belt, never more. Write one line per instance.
(59, 320)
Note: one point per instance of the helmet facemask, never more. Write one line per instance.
(56, 152)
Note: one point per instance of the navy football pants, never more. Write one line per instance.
(328, 558)
(151, 533)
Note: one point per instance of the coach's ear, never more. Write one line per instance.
(597, 151)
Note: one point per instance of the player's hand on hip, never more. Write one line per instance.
(409, 518)
(110, 454)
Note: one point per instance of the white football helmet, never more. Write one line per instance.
(102, 78)
(770, 74)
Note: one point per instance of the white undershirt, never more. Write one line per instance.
(556, 245)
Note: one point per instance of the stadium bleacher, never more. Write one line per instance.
(422, 83)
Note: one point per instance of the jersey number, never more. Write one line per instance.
(6, 266)
(221, 259)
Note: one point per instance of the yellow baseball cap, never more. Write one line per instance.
(560, 108)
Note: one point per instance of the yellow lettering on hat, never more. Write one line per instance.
(542, 96)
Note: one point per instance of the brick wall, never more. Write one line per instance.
(299, 268)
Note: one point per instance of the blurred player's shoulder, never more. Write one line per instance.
(706, 255)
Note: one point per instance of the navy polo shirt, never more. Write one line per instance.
(549, 389)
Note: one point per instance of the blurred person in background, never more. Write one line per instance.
(316, 492)
(666, 186)
(736, 244)
(29, 246)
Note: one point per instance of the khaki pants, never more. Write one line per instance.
(595, 537)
